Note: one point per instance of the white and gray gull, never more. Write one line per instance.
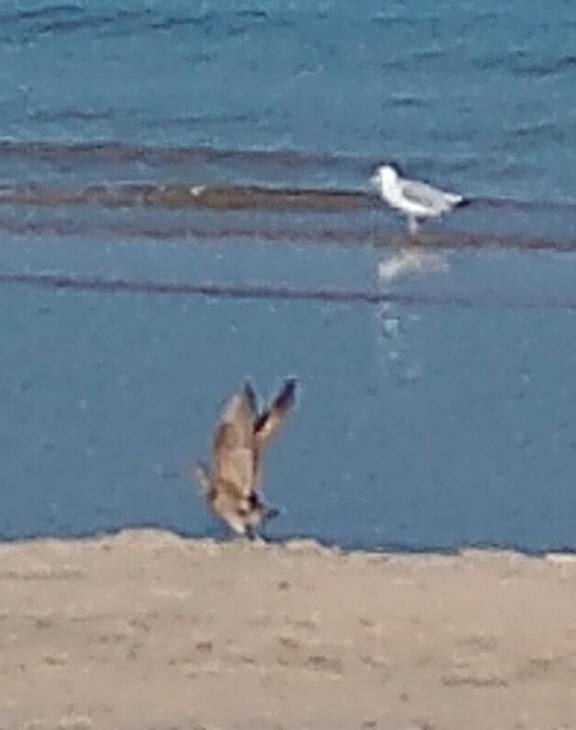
(416, 200)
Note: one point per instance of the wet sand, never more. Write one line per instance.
(145, 630)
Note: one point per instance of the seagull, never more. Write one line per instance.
(416, 200)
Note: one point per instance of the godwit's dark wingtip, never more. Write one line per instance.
(287, 395)
(249, 394)
(247, 387)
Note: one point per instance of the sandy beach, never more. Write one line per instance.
(146, 630)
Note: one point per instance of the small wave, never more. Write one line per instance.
(25, 26)
(120, 151)
(524, 63)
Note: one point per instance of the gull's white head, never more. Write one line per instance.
(385, 177)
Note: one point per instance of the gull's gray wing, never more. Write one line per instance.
(426, 196)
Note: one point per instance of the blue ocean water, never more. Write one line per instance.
(479, 94)
(419, 426)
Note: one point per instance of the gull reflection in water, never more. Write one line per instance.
(394, 320)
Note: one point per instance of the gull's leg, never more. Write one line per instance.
(412, 225)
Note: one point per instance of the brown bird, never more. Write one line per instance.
(232, 485)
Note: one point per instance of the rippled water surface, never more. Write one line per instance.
(184, 203)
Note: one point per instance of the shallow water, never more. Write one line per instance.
(437, 419)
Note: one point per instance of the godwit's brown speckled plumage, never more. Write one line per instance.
(232, 484)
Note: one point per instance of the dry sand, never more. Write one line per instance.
(145, 630)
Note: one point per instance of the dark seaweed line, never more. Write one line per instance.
(189, 234)
(270, 293)
(183, 196)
